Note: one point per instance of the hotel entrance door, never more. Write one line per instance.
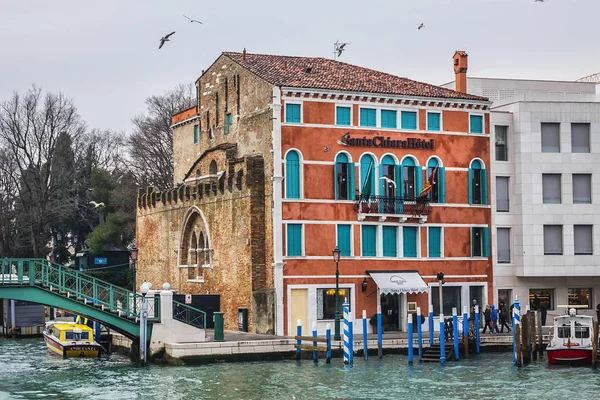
(391, 312)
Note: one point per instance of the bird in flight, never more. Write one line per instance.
(421, 26)
(388, 180)
(165, 39)
(339, 48)
(96, 205)
(539, 1)
(192, 20)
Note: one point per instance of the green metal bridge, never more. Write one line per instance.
(44, 282)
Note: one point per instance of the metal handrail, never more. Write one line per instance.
(189, 315)
(77, 285)
(391, 205)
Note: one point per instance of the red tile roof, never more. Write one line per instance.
(334, 75)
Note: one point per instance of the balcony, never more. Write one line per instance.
(391, 207)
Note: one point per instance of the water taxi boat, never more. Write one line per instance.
(571, 339)
(71, 339)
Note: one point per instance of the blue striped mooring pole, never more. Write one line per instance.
(298, 342)
(455, 332)
(431, 329)
(346, 335)
(419, 332)
(516, 321)
(379, 333)
(442, 341)
(328, 337)
(465, 321)
(314, 334)
(364, 328)
(477, 329)
(410, 339)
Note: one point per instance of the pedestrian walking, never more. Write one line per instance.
(544, 311)
(488, 319)
(494, 316)
(503, 317)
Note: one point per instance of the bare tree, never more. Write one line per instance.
(151, 143)
(30, 126)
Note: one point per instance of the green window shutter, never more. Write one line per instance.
(408, 120)
(484, 187)
(369, 241)
(433, 122)
(294, 240)
(342, 116)
(409, 241)
(381, 182)
(227, 123)
(335, 180)
(476, 123)
(292, 113)
(418, 181)
(486, 242)
(388, 119)
(343, 238)
(399, 181)
(441, 184)
(292, 176)
(389, 241)
(368, 117)
(196, 134)
(351, 183)
(470, 186)
(434, 238)
(472, 242)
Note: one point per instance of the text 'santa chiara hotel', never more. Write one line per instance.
(283, 159)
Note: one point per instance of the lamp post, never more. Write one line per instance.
(440, 277)
(336, 258)
(133, 261)
(143, 322)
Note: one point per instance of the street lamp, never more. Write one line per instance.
(133, 256)
(143, 322)
(336, 258)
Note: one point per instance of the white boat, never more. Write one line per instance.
(571, 339)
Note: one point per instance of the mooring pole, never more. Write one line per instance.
(379, 333)
(525, 339)
(455, 333)
(364, 328)
(540, 343)
(419, 333)
(534, 339)
(431, 329)
(298, 342)
(442, 340)
(516, 322)
(477, 329)
(314, 334)
(328, 336)
(410, 338)
(466, 330)
(595, 345)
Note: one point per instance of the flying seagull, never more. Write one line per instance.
(421, 26)
(96, 205)
(192, 20)
(339, 48)
(388, 180)
(539, 1)
(165, 39)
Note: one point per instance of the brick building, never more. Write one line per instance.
(285, 158)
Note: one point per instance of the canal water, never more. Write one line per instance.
(28, 371)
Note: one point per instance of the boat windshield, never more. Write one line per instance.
(564, 331)
(581, 331)
(77, 336)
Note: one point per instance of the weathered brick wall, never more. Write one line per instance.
(239, 220)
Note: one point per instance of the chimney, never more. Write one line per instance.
(461, 64)
(244, 55)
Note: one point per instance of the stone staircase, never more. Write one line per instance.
(432, 353)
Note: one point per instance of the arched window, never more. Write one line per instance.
(367, 178)
(344, 178)
(478, 191)
(437, 175)
(412, 176)
(292, 175)
(387, 177)
(202, 250)
(193, 257)
(213, 168)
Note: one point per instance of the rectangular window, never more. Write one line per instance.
(452, 298)
(582, 189)
(196, 134)
(409, 241)
(368, 117)
(434, 121)
(551, 189)
(389, 241)
(503, 245)
(476, 242)
(326, 302)
(584, 242)
(342, 116)
(476, 123)
(553, 240)
(501, 139)
(292, 113)
(550, 137)
(580, 297)
(502, 202)
(580, 138)
(228, 123)
(294, 240)
(388, 119)
(369, 241)
(408, 120)
(435, 242)
(343, 239)
(539, 297)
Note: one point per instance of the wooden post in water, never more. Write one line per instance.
(595, 345)
(540, 339)
(533, 331)
(518, 344)
(530, 337)
(524, 339)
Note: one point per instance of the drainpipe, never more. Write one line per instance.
(277, 213)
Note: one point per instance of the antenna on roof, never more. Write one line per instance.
(338, 49)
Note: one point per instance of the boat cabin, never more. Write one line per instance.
(68, 332)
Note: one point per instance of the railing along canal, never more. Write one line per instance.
(78, 286)
(189, 315)
(391, 205)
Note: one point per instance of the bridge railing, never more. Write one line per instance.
(189, 315)
(77, 285)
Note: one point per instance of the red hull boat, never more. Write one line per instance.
(570, 356)
(571, 339)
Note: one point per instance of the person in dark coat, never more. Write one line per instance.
(536, 302)
(488, 319)
(503, 317)
(544, 311)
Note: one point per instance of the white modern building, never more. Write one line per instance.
(545, 190)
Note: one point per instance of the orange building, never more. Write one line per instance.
(348, 152)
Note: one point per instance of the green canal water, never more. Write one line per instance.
(28, 371)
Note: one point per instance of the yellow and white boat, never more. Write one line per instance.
(71, 339)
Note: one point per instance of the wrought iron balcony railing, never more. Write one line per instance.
(391, 205)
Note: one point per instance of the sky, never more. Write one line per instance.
(104, 54)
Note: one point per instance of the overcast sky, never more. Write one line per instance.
(104, 54)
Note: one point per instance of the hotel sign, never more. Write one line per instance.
(387, 142)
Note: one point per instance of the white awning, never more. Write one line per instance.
(390, 282)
